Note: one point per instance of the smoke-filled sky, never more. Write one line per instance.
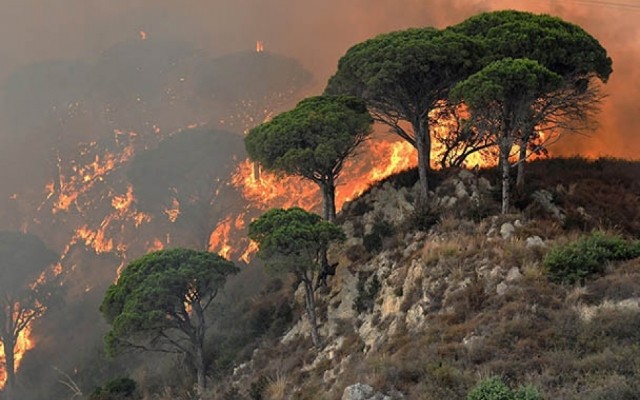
(317, 33)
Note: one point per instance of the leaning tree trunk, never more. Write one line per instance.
(310, 305)
(423, 145)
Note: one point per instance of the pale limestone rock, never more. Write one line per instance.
(361, 391)
(461, 190)
(507, 230)
(513, 275)
(501, 288)
(534, 241)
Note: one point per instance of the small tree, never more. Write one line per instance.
(159, 303)
(501, 98)
(312, 141)
(293, 240)
(27, 287)
(404, 76)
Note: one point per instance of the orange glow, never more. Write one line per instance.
(173, 212)
(378, 160)
(219, 239)
(259, 46)
(143, 35)
(24, 343)
(155, 246)
(121, 203)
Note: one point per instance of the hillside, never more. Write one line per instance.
(428, 300)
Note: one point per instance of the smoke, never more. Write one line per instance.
(75, 71)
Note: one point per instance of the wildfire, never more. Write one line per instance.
(377, 161)
(23, 344)
(259, 46)
(143, 35)
(219, 239)
(173, 212)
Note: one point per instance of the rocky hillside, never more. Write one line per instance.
(430, 299)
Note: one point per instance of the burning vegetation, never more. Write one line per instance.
(141, 150)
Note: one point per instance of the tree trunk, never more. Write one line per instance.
(200, 372)
(423, 145)
(198, 344)
(522, 160)
(505, 149)
(328, 200)
(311, 311)
(256, 171)
(10, 384)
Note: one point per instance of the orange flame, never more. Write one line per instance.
(219, 239)
(24, 343)
(359, 174)
(259, 46)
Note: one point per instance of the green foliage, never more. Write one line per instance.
(506, 81)
(373, 241)
(116, 389)
(560, 46)
(313, 139)
(490, 389)
(403, 76)
(527, 393)
(494, 389)
(291, 240)
(587, 256)
(153, 294)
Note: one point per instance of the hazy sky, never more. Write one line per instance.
(315, 32)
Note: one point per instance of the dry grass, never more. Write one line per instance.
(277, 388)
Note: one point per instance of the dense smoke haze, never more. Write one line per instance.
(315, 33)
(95, 96)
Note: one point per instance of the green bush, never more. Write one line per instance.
(490, 389)
(527, 393)
(587, 256)
(494, 389)
(116, 389)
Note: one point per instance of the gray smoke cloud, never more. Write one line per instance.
(316, 33)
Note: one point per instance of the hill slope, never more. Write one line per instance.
(429, 299)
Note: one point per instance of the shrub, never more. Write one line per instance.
(116, 389)
(490, 389)
(578, 260)
(527, 393)
(423, 217)
(381, 230)
(494, 389)
(366, 295)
